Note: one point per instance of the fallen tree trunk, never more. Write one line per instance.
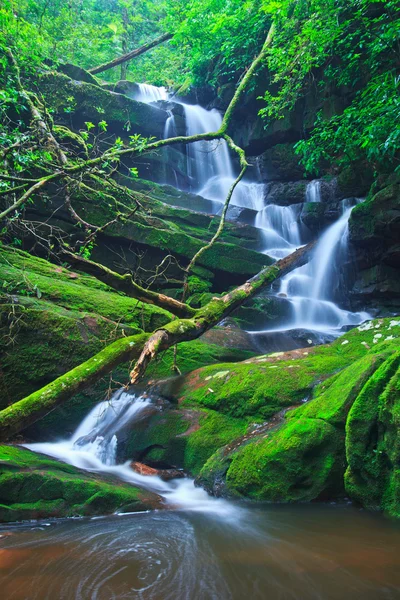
(133, 54)
(125, 283)
(144, 346)
(21, 414)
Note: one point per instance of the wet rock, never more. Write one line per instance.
(287, 193)
(280, 163)
(164, 474)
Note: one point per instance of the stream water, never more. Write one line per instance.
(275, 553)
(199, 548)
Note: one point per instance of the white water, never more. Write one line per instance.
(93, 447)
(150, 93)
(312, 290)
(313, 191)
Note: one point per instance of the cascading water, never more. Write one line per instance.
(150, 93)
(311, 290)
(93, 447)
(280, 229)
(313, 191)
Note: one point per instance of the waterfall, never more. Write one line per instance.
(313, 191)
(150, 93)
(313, 288)
(208, 162)
(93, 447)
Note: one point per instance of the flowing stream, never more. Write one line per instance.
(202, 548)
(93, 447)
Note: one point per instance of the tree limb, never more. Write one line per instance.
(146, 346)
(125, 283)
(133, 54)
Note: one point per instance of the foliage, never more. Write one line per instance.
(345, 48)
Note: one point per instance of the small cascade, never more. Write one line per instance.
(93, 447)
(280, 227)
(150, 93)
(313, 191)
(313, 289)
(207, 161)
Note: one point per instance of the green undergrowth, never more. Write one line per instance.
(33, 486)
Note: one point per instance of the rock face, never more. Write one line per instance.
(83, 101)
(374, 231)
(33, 486)
(289, 427)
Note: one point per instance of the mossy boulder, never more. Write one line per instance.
(301, 456)
(33, 486)
(280, 163)
(77, 73)
(354, 180)
(373, 443)
(286, 193)
(283, 419)
(81, 101)
(374, 232)
(377, 220)
(183, 438)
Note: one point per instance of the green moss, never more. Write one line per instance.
(375, 221)
(192, 355)
(29, 276)
(372, 440)
(182, 438)
(34, 486)
(333, 398)
(300, 455)
(71, 141)
(299, 462)
(264, 385)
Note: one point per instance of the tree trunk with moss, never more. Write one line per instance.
(133, 54)
(143, 347)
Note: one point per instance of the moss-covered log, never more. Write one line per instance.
(20, 415)
(125, 283)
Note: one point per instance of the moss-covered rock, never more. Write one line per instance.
(275, 446)
(280, 163)
(374, 231)
(33, 486)
(373, 443)
(184, 438)
(82, 101)
(71, 142)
